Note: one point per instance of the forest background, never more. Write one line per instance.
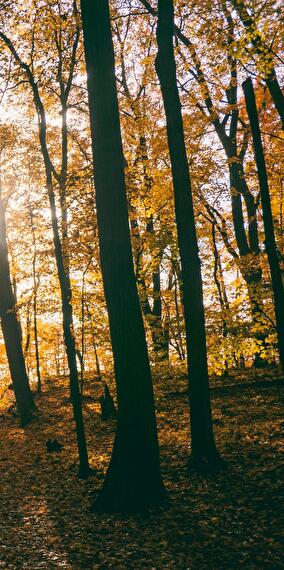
(193, 130)
(210, 70)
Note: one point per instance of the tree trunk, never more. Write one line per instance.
(69, 338)
(35, 291)
(11, 332)
(220, 284)
(270, 242)
(159, 333)
(265, 54)
(249, 262)
(204, 454)
(133, 481)
(239, 188)
(28, 333)
(60, 247)
(38, 372)
(153, 315)
(179, 335)
(222, 293)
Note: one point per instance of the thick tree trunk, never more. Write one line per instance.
(270, 242)
(11, 332)
(204, 452)
(133, 481)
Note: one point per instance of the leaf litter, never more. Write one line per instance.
(225, 520)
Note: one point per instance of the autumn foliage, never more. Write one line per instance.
(141, 245)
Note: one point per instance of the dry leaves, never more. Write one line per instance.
(225, 521)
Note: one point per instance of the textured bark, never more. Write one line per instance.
(204, 452)
(133, 481)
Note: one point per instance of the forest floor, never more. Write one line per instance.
(224, 521)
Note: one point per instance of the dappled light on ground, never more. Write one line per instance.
(223, 521)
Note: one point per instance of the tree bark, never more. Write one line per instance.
(270, 242)
(11, 331)
(133, 481)
(204, 454)
(69, 338)
(35, 291)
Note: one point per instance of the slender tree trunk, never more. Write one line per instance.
(153, 315)
(69, 338)
(61, 247)
(15, 293)
(38, 372)
(133, 480)
(82, 358)
(158, 333)
(270, 242)
(249, 251)
(11, 331)
(180, 342)
(221, 289)
(220, 285)
(98, 367)
(35, 291)
(203, 450)
(28, 333)
(265, 55)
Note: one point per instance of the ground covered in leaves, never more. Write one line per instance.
(223, 521)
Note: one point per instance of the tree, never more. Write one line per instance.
(10, 326)
(35, 297)
(133, 480)
(54, 177)
(270, 242)
(265, 56)
(137, 104)
(203, 450)
(226, 124)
